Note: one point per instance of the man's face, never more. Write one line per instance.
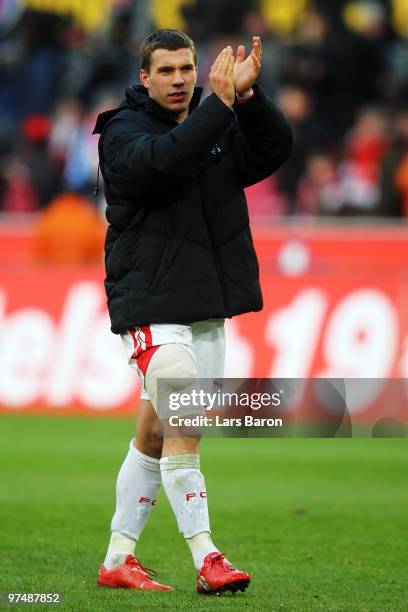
(171, 80)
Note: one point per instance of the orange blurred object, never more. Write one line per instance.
(70, 230)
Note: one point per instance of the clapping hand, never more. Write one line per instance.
(246, 70)
(222, 76)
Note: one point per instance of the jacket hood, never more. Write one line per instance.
(137, 97)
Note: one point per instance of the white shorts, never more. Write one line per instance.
(204, 341)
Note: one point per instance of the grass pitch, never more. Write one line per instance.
(320, 524)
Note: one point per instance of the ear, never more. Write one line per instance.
(144, 78)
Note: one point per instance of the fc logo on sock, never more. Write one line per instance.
(147, 500)
(202, 494)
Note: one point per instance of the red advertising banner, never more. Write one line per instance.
(335, 306)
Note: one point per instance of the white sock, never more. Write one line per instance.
(120, 547)
(137, 486)
(185, 489)
(200, 546)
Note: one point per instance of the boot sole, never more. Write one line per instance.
(239, 585)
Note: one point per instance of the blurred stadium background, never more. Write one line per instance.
(330, 226)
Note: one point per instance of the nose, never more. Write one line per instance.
(178, 78)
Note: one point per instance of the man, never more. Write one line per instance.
(179, 260)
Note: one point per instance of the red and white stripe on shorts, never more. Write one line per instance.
(204, 341)
(143, 347)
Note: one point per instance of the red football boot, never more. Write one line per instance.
(218, 576)
(130, 575)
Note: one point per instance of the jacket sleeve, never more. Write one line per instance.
(261, 138)
(130, 150)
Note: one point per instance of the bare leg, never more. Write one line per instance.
(149, 436)
(148, 439)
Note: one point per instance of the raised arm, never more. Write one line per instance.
(132, 150)
(262, 139)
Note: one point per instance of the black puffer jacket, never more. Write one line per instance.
(178, 247)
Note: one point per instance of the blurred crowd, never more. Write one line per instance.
(339, 71)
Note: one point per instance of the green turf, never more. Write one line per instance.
(320, 524)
